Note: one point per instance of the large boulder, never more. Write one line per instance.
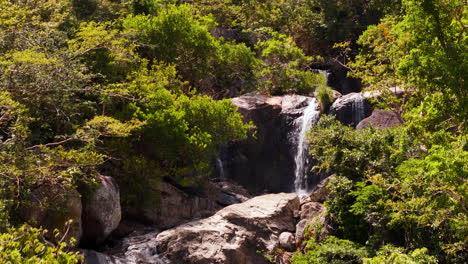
(55, 207)
(265, 161)
(381, 119)
(287, 241)
(320, 192)
(350, 109)
(237, 234)
(101, 210)
(175, 206)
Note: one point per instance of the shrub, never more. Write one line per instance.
(27, 245)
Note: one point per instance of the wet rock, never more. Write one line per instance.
(225, 199)
(287, 241)
(101, 211)
(93, 257)
(234, 235)
(52, 207)
(350, 109)
(381, 119)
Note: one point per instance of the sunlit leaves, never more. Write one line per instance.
(27, 245)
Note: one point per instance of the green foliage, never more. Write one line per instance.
(353, 153)
(176, 36)
(391, 188)
(391, 254)
(422, 50)
(27, 245)
(181, 130)
(286, 67)
(324, 93)
(332, 250)
(105, 50)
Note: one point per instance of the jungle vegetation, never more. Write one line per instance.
(144, 85)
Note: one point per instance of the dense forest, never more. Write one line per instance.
(141, 89)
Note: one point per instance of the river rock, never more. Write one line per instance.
(234, 235)
(265, 161)
(350, 109)
(93, 257)
(381, 119)
(101, 211)
(52, 207)
(287, 241)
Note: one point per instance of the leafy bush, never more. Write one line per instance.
(175, 35)
(286, 67)
(27, 245)
(331, 251)
(324, 93)
(353, 153)
(394, 255)
(180, 129)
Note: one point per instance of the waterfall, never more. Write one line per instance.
(303, 124)
(220, 167)
(358, 109)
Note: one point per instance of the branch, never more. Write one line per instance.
(50, 144)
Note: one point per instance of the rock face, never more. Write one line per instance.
(51, 207)
(312, 214)
(350, 109)
(287, 241)
(101, 211)
(381, 119)
(265, 162)
(175, 206)
(234, 235)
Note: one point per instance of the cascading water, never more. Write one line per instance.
(309, 118)
(220, 168)
(358, 109)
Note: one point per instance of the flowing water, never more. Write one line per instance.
(358, 109)
(309, 118)
(220, 168)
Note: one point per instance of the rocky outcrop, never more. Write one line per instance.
(175, 206)
(53, 207)
(312, 212)
(350, 109)
(287, 241)
(101, 211)
(265, 161)
(319, 193)
(237, 234)
(381, 119)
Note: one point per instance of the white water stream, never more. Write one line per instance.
(358, 108)
(309, 118)
(220, 167)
